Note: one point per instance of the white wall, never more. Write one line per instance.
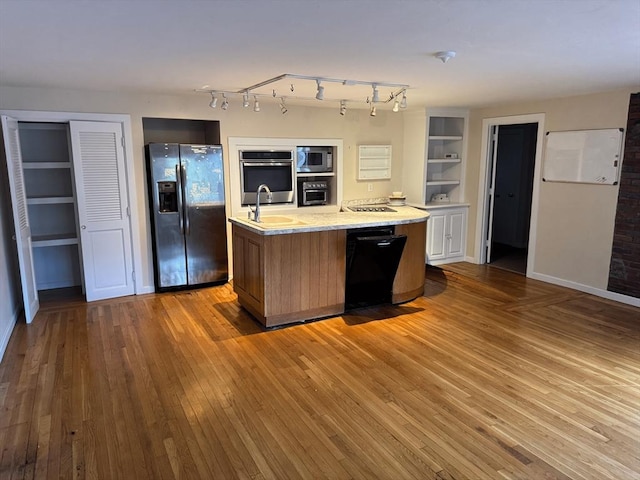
(355, 128)
(575, 221)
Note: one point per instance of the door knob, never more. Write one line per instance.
(83, 227)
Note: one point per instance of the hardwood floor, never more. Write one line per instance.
(489, 375)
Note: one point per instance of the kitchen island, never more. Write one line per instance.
(291, 268)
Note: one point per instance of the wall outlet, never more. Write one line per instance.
(369, 187)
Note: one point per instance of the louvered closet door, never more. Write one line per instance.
(20, 217)
(105, 239)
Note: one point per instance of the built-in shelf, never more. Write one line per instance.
(49, 200)
(54, 240)
(444, 160)
(41, 165)
(445, 137)
(317, 174)
(443, 182)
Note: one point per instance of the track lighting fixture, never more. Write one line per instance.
(372, 100)
(214, 100)
(320, 94)
(403, 102)
(375, 98)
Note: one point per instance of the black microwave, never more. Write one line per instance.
(314, 159)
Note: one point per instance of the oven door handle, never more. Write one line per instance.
(266, 164)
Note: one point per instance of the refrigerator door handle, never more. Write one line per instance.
(183, 180)
(180, 209)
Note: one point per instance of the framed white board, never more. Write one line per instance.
(583, 156)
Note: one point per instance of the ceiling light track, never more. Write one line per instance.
(398, 89)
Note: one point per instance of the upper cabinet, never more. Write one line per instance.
(445, 156)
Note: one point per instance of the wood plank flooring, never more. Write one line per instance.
(488, 376)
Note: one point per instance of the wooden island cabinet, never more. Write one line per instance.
(289, 277)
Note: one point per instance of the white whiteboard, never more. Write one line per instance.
(585, 156)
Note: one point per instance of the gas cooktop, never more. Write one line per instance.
(371, 208)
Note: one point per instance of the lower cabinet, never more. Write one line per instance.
(290, 277)
(446, 235)
(293, 277)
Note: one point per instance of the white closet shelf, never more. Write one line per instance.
(445, 137)
(444, 160)
(45, 165)
(443, 182)
(54, 240)
(48, 200)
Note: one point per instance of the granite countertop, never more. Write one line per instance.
(277, 224)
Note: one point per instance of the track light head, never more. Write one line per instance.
(343, 107)
(214, 100)
(245, 100)
(256, 104)
(375, 98)
(320, 94)
(373, 110)
(283, 107)
(225, 102)
(403, 102)
(396, 105)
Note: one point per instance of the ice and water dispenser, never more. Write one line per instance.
(167, 197)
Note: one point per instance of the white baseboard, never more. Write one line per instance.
(598, 292)
(146, 289)
(6, 335)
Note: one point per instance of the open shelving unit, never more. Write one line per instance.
(51, 203)
(445, 154)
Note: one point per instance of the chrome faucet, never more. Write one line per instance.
(256, 212)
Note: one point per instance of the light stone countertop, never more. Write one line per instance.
(278, 224)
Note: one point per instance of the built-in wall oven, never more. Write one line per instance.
(275, 168)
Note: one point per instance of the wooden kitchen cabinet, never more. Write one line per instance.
(293, 277)
(290, 277)
(409, 281)
(446, 235)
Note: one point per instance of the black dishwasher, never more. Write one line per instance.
(373, 255)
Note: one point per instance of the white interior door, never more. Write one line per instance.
(105, 231)
(20, 217)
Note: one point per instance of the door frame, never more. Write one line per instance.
(484, 183)
(125, 121)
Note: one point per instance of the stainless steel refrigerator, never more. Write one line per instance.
(186, 188)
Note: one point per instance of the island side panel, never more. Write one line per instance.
(248, 267)
(304, 276)
(409, 281)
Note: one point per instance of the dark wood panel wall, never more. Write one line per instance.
(624, 271)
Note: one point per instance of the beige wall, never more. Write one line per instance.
(355, 128)
(575, 221)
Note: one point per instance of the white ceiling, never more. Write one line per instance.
(507, 50)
